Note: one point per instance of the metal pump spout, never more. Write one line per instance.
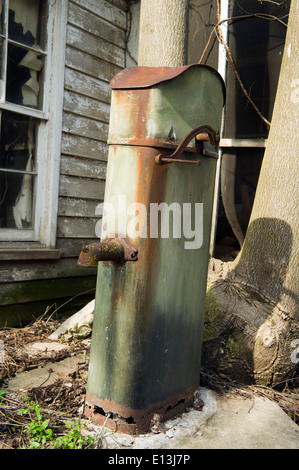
(117, 250)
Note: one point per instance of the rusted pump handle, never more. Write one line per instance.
(201, 133)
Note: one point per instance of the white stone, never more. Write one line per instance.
(78, 325)
(43, 347)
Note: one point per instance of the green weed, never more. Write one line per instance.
(41, 435)
(38, 429)
(2, 395)
(73, 439)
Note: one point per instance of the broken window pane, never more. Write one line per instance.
(26, 22)
(24, 69)
(22, 52)
(17, 170)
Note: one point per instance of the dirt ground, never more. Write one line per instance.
(62, 402)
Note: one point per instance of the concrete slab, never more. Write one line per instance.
(44, 375)
(36, 348)
(223, 423)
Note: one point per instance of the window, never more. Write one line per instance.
(31, 57)
(23, 42)
(23, 57)
(17, 170)
(255, 34)
(256, 38)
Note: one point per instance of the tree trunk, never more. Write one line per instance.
(252, 320)
(162, 33)
(251, 327)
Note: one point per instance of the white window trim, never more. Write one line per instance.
(49, 136)
(247, 143)
(222, 69)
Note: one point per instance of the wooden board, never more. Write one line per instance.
(92, 23)
(84, 127)
(95, 46)
(75, 207)
(112, 11)
(79, 82)
(15, 271)
(91, 65)
(84, 147)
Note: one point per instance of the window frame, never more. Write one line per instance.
(227, 142)
(43, 235)
(6, 105)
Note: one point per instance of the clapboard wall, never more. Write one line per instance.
(94, 53)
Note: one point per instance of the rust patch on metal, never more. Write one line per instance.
(116, 297)
(120, 418)
(143, 103)
(152, 188)
(145, 77)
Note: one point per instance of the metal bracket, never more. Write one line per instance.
(201, 134)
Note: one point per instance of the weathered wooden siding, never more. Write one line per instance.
(95, 52)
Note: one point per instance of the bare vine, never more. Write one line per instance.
(217, 30)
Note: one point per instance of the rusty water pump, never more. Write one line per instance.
(150, 297)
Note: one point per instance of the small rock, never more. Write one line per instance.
(198, 404)
(156, 425)
(45, 347)
(78, 325)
